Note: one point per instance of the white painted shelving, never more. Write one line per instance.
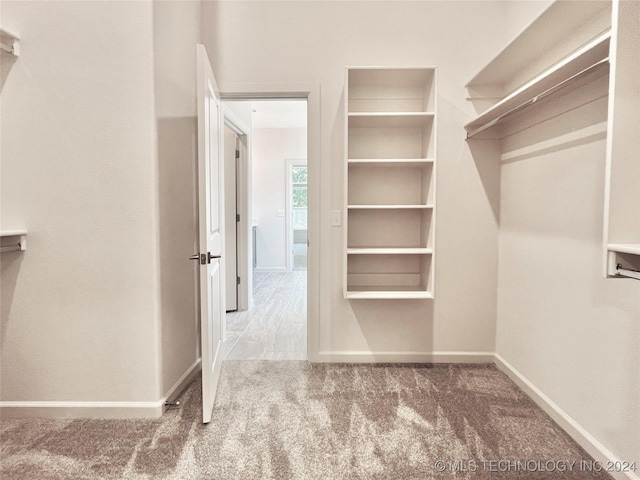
(390, 183)
(13, 240)
(567, 43)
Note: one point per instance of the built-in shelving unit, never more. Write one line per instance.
(567, 44)
(390, 188)
(622, 183)
(13, 240)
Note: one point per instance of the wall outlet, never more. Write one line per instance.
(336, 218)
(281, 213)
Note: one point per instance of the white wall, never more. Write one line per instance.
(98, 161)
(572, 333)
(271, 148)
(280, 45)
(176, 31)
(80, 306)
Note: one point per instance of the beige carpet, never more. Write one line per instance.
(293, 420)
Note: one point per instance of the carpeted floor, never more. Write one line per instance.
(294, 420)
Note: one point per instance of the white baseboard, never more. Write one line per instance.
(583, 438)
(184, 380)
(58, 409)
(404, 357)
(53, 409)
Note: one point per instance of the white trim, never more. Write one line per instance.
(311, 92)
(583, 438)
(243, 185)
(82, 409)
(92, 409)
(234, 122)
(405, 357)
(185, 379)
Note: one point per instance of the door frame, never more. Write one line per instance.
(311, 93)
(243, 207)
(289, 164)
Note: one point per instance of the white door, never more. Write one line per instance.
(231, 153)
(211, 227)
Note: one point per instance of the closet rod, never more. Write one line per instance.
(625, 272)
(8, 48)
(10, 248)
(540, 96)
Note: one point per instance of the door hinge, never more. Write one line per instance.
(237, 153)
(237, 280)
(237, 217)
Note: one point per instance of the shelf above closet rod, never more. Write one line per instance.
(13, 240)
(9, 43)
(588, 59)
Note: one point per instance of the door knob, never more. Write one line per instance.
(195, 257)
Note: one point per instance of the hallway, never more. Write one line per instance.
(276, 327)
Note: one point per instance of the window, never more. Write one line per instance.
(299, 183)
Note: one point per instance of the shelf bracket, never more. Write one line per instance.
(626, 272)
(9, 43)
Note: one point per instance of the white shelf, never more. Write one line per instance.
(389, 119)
(631, 248)
(388, 294)
(389, 251)
(12, 233)
(13, 240)
(389, 162)
(561, 74)
(388, 207)
(559, 30)
(9, 43)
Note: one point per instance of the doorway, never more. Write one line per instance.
(274, 324)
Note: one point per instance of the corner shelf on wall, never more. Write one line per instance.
(565, 46)
(13, 240)
(390, 183)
